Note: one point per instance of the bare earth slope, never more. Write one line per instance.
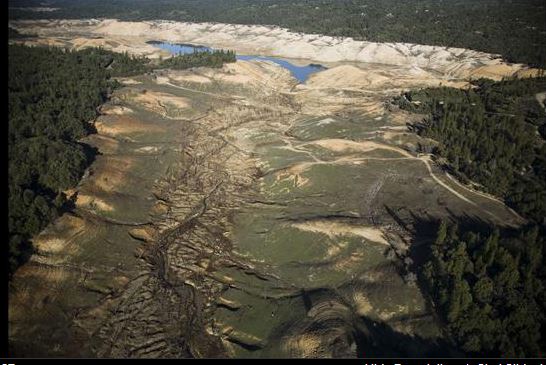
(273, 41)
(233, 212)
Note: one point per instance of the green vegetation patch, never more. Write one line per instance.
(333, 127)
(258, 320)
(279, 157)
(214, 59)
(489, 288)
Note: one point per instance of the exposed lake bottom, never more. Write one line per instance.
(301, 73)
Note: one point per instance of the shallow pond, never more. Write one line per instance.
(301, 73)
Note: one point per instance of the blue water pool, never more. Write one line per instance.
(299, 72)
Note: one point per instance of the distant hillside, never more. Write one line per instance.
(515, 29)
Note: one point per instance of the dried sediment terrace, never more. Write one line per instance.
(271, 41)
(234, 212)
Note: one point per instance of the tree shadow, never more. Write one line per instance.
(90, 152)
(378, 339)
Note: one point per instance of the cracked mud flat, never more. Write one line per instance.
(235, 213)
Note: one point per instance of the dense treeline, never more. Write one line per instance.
(492, 135)
(53, 95)
(516, 29)
(489, 289)
(199, 59)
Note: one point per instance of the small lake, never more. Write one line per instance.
(299, 72)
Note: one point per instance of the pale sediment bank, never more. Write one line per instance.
(280, 42)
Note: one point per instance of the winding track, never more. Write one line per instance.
(426, 159)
